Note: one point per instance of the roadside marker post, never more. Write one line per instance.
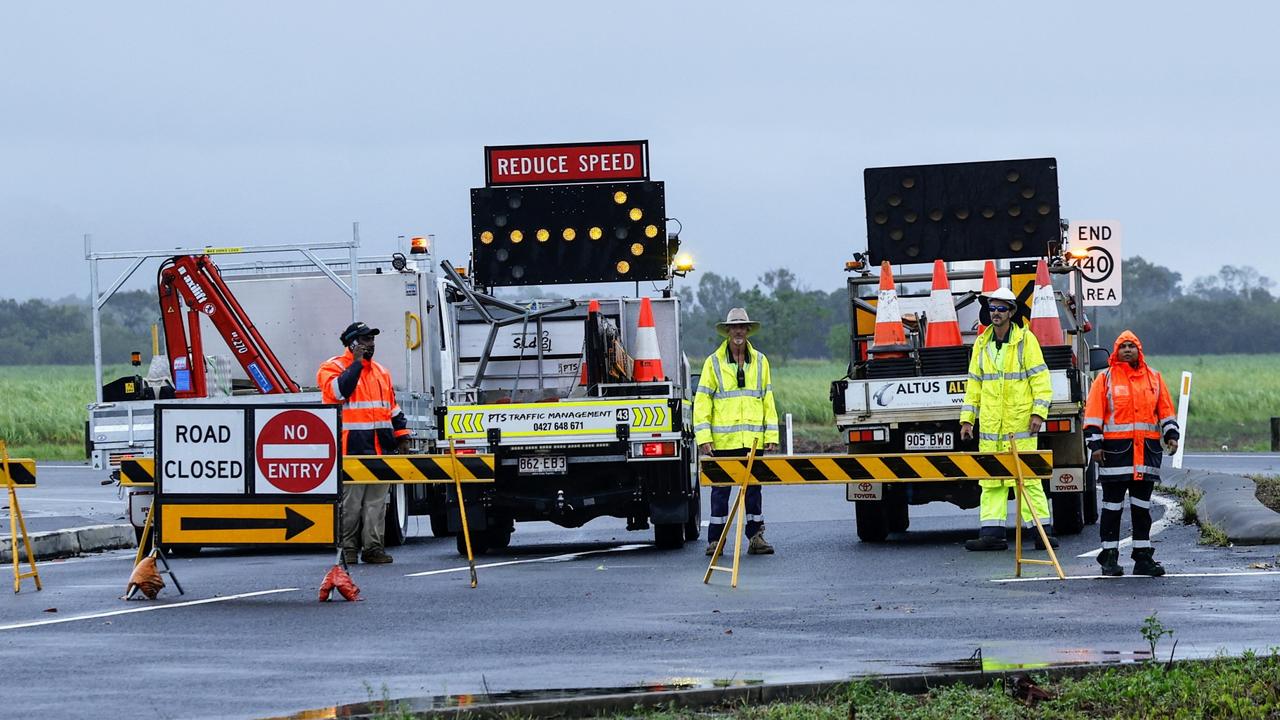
(795, 470)
(16, 471)
(1184, 404)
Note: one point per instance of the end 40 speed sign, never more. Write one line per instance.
(1094, 247)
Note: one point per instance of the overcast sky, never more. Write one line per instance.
(156, 125)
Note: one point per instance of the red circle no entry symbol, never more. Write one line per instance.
(296, 451)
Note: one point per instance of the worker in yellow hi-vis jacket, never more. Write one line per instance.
(733, 407)
(1008, 393)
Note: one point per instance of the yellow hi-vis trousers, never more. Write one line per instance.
(993, 508)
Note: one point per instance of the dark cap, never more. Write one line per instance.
(355, 330)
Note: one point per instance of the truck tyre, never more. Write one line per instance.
(899, 515)
(396, 529)
(1068, 515)
(479, 543)
(668, 536)
(438, 511)
(693, 528)
(873, 523)
(1091, 494)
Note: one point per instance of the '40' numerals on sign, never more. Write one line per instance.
(1096, 263)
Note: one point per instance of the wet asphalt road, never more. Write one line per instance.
(597, 606)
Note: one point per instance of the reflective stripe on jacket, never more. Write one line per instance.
(1005, 388)
(729, 415)
(1128, 412)
(372, 422)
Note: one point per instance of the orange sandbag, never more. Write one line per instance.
(146, 578)
(339, 579)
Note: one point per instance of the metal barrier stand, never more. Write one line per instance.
(17, 524)
(1019, 499)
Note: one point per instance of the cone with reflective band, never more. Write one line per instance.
(648, 362)
(1044, 309)
(593, 307)
(990, 281)
(890, 339)
(944, 328)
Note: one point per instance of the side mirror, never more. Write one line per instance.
(1098, 357)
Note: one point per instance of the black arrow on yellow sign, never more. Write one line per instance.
(292, 523)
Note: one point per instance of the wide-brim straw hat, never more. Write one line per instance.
(737, 316)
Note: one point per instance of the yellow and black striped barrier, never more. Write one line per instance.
(21, 470)
(372, 469)
(363, 469)
(897, 467)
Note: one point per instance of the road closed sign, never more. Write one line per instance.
(248, 474)
(201, 451)
(1094, 247)
(296, 452)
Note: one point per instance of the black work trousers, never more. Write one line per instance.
(1113, 493)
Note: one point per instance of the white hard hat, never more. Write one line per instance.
(1001, 293)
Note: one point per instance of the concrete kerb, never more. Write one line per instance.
(1229, 502)
(72, 541)
(708, 698)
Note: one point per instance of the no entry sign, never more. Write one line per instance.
(296, 452)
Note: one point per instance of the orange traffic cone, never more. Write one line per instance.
(944, 328)
(648, 361)
(1044, 309)
(593, 308)
(990, 281)
(890, 340)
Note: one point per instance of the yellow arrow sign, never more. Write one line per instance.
(244, 524)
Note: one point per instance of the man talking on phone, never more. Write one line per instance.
(372, 424)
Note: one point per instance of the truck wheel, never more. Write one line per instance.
(1068, 516)
(438, 512)
(396, 529)
(479, 543)
(693, 528)
(668, 536)
(899, 515)
(1091, 494)
(873, 525)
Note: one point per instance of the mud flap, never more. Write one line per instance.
(669, 509)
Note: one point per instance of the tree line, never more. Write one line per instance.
(1233, 311)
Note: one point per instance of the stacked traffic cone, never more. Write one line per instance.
(593, 308)
(890, 340)
(1044, 309)
(990, 281)
(648, 361)
(944, 328)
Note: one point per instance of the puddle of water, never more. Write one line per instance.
(975, 662)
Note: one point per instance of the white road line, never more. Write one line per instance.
(1136, 577)
(148, 608)
(549, 558)
(1172, 514)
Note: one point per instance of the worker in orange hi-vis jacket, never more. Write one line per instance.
(372, 424)
(1128, 414)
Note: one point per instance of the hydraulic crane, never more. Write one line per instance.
(194, 281)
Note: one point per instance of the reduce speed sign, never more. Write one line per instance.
(1094, 247)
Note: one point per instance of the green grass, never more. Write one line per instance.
(1233, 398)
(42, 409)
(1244, 687)
(1268, 490)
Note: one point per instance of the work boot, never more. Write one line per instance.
(758, 545)
(1145, 564)
(1048, 531)
(986, 542)
(711, 549)
(1110, 562)
(351, 556)
(376, 556)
